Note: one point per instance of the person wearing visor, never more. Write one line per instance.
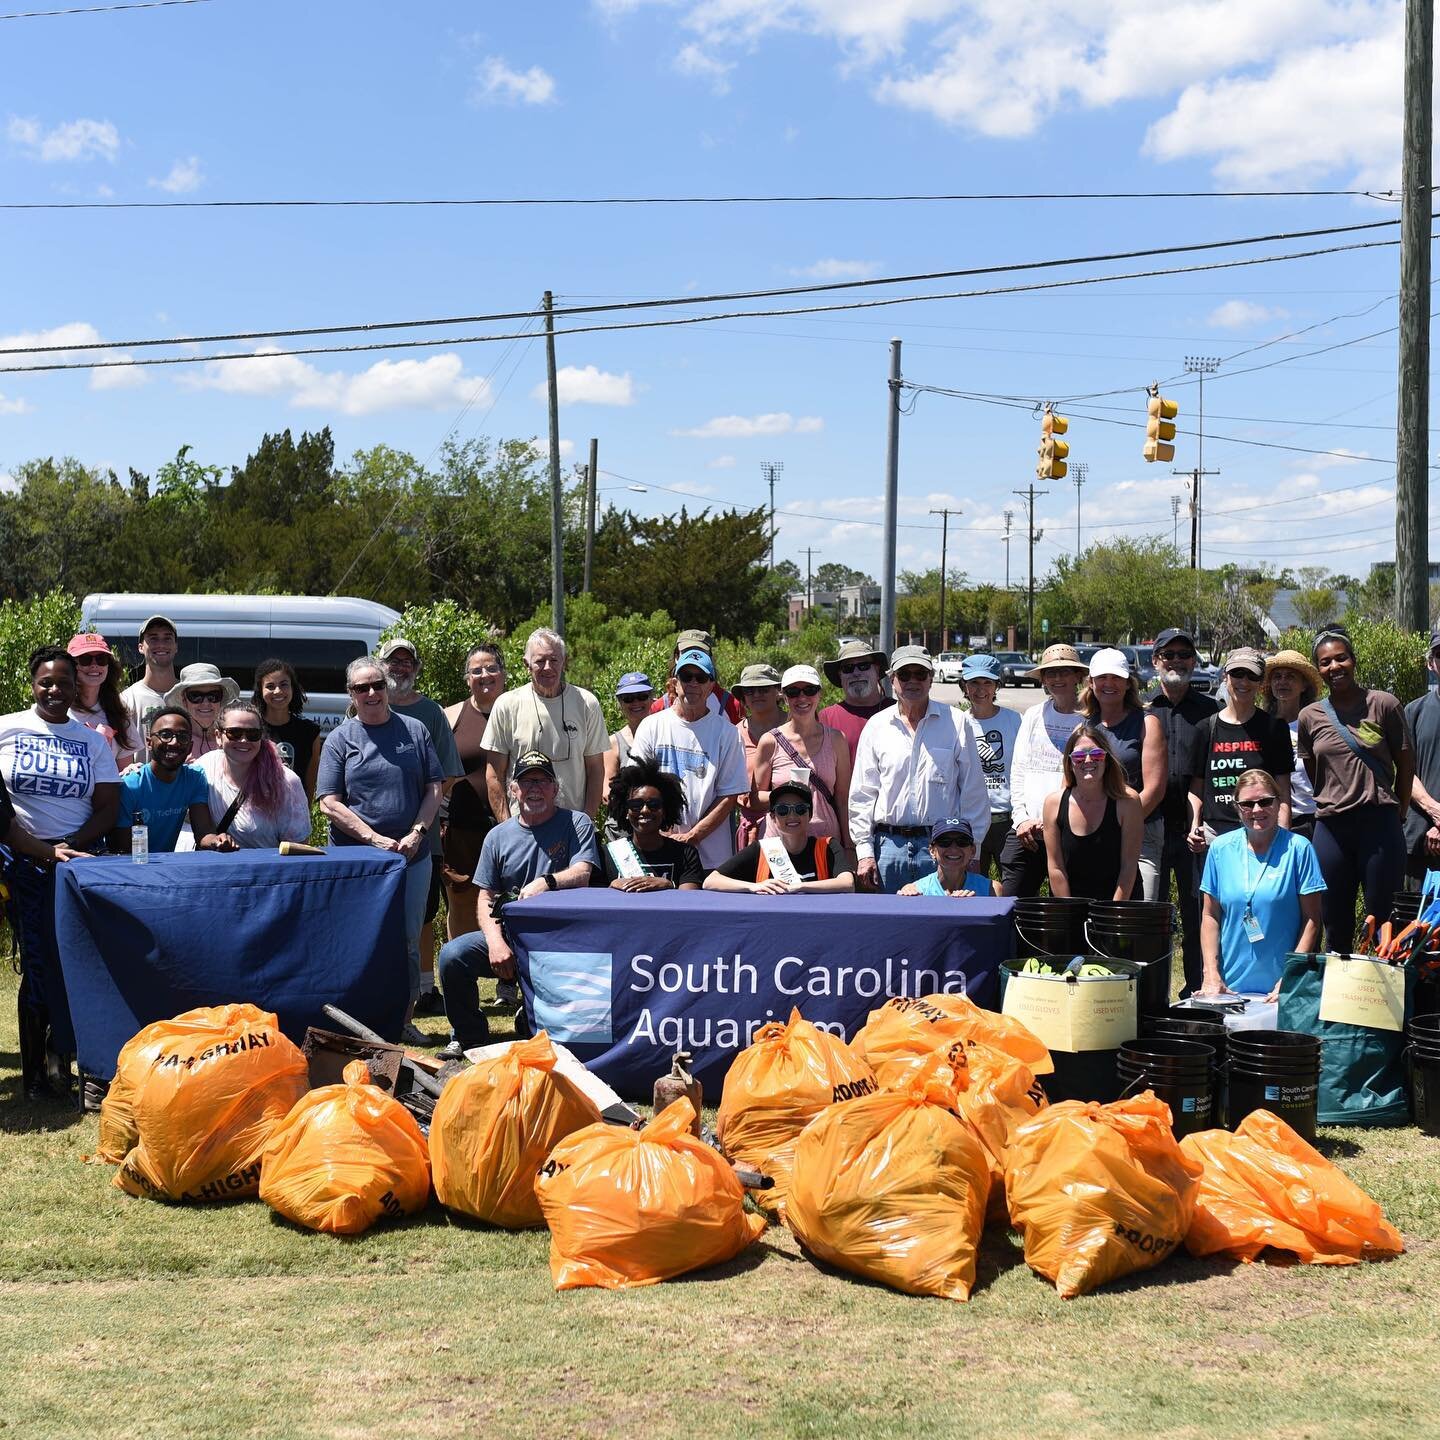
(695, 741)
(1111, 699)
(952, 848)
(1038, 769)
(758, 691)
(167, 792)
(995, 730)
(916, 763)
(203, 692)
(1093, 826)
(633, 695)
(804, 750)
(857, 671)
(646, 802)
(820, 867)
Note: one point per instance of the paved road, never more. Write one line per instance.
(1019, 698)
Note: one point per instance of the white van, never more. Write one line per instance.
(318, 634)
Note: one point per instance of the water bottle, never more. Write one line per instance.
(140, 840)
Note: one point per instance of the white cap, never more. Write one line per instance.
(800, 675)
(1110, 662)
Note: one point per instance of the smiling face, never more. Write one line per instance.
(240, 734)
(275, 693)
(546, 664)
(158, 645)
(980, 692)
(53, 689)
(645, 812)
(1336, 663)
(170, 740)
(1109, 690)
(1175, 664)
(1286, 685)
(801, 699)
(203, 701)
(536, 792)
(401, 668)
(1087, 760)
(1243, 685)
(1258, 809)
(1062, 686)
(790, 814)
(912, 685)
(952, 854)
(91, 668)
(485, 675)
(369, 689)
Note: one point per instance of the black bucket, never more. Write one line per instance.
(1141, 932)
(1423, 1062)
(1181, 1072)
(1195, 1025)
(1275, 1070)
(1049, 926)
(1406, 908)
(1210, 1014)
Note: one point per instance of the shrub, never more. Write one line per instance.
(25, 625)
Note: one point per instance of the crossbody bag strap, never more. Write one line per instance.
(1372, 762)
(815, 779)
(228, 818)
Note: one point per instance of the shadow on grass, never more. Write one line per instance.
(1337, 1146)
(19, 1116)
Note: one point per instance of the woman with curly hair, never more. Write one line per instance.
(645, 802)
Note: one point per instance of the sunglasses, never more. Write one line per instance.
(953, 842)
(912, 674)
(170, 737)
(1264, 802)
(795, 690)
(366, 687)
(639, 698)
(637, 804)
(1087, 757)
(1176, 657)
(858, 668)
(1248, 676)
(692, 677)
(89, 661)
(242, 732)
(204, 697)
(799, 807)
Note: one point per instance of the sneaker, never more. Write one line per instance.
(451, 1052)
(507, 993)
(410, 1035)
(430, 1005)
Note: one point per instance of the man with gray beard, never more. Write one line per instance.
(1183, 711)
(857, 671)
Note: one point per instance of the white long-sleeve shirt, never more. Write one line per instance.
(919, 777)
(1039, 752)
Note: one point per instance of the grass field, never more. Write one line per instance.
(125, 1317)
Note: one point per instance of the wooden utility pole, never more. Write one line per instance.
(592, 473)
(809, 592)
(944, 539)
(557, 494)
(1032, 535)
(771, 469)
(892, 502)
(1412, 448)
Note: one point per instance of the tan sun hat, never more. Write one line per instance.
(1294, 660)
(1056, 657)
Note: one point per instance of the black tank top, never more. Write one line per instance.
(1092, 862)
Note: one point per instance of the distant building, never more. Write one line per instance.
(1282, 614)
(852, 607)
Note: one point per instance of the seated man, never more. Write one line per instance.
(165, 792)
(541, 848)
(952, 848)
(820, 867)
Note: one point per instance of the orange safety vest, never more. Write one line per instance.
(822, 861)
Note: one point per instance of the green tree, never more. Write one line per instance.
(1315, 606)
(832, 575)
(49, 619)
(1122, 588)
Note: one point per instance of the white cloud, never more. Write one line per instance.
(1239, 314)
(721, 462)
(126, 376)
(15, 406)
(185, 176)
(75, 332)
(837, 270)
(696, 63)
(746, 427)
(8, 483)
(589, 385)
(70, 140)
(497, 83)
(434, 384)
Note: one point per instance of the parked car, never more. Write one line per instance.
(1014, 667)
(1142, 665)
(947, 666)
(1205, 678)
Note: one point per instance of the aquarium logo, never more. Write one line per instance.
(571, 993)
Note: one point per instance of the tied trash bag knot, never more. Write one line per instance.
(907, 1028)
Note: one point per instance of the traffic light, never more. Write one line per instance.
(1052, 452)
(1160, 428)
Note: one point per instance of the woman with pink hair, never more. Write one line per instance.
(249, 784)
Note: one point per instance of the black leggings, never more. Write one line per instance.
(1358, 849)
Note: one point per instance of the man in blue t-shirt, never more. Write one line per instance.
(542, 848)
(165, 792)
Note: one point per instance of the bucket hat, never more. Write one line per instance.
(850, 652)
(199, 676)
(756, 677)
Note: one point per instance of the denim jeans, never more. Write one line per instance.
(901, 859)
(417, 891)
(461, 964)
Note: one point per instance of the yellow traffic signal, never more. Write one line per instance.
(1052, 452)
(1160, 428)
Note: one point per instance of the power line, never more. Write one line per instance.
(1044, 285)
(104, 10)
(727, 297)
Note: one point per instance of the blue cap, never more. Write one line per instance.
(952, 826)
(699, 659)
(980, 667)
(633, 682)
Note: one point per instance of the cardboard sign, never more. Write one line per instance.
(1358, 990)
(781, 865)
(1074, 1015)
(626, 857)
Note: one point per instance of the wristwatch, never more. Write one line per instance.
(550, 882)
(420, 829)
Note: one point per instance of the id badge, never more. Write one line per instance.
(1253, 930)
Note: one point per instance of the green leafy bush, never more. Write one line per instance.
(442, 634)
(1386, 657)
(25, 625)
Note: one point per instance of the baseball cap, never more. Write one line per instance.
(800, 675)
(534, 760)
(911, 655)
(1245, 657)
(90, 644)
(1110, 662)
(1435, 639)
(695, 640)
(633, 682)
(158, 620)
(1174, 633)
(756, 677)
(397, 642)
(980, 667)
(700, 659)
(792, 787)
(953, 826)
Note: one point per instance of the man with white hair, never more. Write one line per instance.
(559, 720)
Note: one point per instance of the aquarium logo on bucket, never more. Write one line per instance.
(571, 994)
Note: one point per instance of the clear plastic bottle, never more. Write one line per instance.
(140, 840)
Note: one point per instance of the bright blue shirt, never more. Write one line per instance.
(1274, 883)
(930, 884)
(163, 809)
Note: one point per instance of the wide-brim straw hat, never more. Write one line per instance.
(1294, 660)
(1056, 657)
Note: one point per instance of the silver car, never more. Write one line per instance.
(947, 667)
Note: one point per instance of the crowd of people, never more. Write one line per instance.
(1269, 811)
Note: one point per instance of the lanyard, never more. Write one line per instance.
(1249, 888)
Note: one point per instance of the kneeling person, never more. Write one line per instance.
(542, 848)
(165, 792)
(821, 867)
(952, 848)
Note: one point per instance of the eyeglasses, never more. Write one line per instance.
(1087, 757)
(795, 690)
(242, 732)
(366, 687)
(1262, 802)
(636, 804)
(692, 677)
(489, 673)
(1176, 657)
(857, 668)
(170, 737)
(204, 697)
(783, 809)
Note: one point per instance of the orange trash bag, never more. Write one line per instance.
(632, 1207)
(1266, 1186)
(775, 1087)
(1099, 1191)
(344, 1157)
(907, 1028)
(118, 1135)
(893, 1186)
(494, 1126)
(1002, 1095)
(205, 1107)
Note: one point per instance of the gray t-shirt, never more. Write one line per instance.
(380, 772)
(142, 702)
(514, 854)
(432, 717)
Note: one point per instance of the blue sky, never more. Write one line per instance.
(255, 99)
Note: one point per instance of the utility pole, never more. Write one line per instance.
(1175, 503)
(557, 494)
(1412, 457)
(1081, 470)
(1194, 477)
(1009, 517)
(944, 545)
(1028, 495)
(1201, 366)
(809, 592)
(592, 472)
(892, 502)
(771, 469)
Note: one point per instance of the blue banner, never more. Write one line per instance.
(627, 980)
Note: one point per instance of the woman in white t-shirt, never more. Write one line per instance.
(274, 806)
(66, 791)
(1291, 683)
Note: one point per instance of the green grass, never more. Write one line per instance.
(121, 1316)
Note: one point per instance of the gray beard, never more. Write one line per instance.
(401, 691)
(1173, 683)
